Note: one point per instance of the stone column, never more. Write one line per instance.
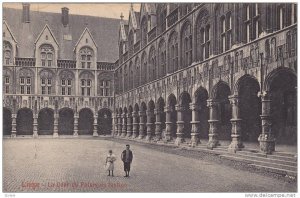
(95, 124)
(135, 129)
(266, 138)
(35, 125)
(124, 125)
(142, 124)
(129, 124)
(158, 124)
(149, 125)
(180, 125)
(119, 124)
(169, 124)
(236, 143)
(76, 117)
(55, 125)
(195, 132)
(213, 124)
(13, 125)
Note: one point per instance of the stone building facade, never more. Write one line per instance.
(174, 72)
(222, 72)
(58, 73)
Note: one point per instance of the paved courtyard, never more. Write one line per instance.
(72, 165)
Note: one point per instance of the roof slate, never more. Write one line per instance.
(104, 31)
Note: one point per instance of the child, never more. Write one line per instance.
(109, 164)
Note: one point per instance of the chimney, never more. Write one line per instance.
(26, 14)
(65, 16)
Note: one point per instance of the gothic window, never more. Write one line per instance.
(144, 73)
(144, 31)
(125, 78)
(66, 83)
(104, 87)
(7, 53)
(162, 58)
(251, 25)
(6, 83)
(46, 84)
(186, 43)
(130, 43)
(47, 55)
(137, 72)
(185, 8)
(202, 36)
(86, 56)
(162, 15)
(25, 81)
(130, 70)
(152, 64)
(173, 53)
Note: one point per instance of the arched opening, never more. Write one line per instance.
(173, 114)
(136, 121)
(143, 119)
(66, 121)
(160, 107)
(6, 121)
(250, 108)
(151, 108)
(104, 122)
(85, 122)
(201, 97)
(222, 91)
(46, 121)
(184, 102)
(25, 122)
(284, 107)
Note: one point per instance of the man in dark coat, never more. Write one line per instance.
(127, 159)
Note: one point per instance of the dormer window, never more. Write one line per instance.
(47, 53)
(7, 53)
(86, 55)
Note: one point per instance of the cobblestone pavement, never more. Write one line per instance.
(73, 165)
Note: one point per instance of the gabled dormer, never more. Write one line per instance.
(9, 45)
(86, 51)
(46, 48)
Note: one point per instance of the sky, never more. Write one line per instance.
(93, 9)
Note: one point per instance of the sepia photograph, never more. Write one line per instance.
(150, 97)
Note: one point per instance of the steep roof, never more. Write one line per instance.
(104, 30)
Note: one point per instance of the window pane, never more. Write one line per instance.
(82, 82)
(49, 63)
(63, 82)
(82, 57)
(43, 63)
(43, 90)
(69, 82)
(49, 90)
(69, 91)
(88, 57)
(22, 90)
(101, 92)
(49, 57)
(88, 91)
(82, 91)
(49, 81)
(6, 89)
(28, 89)
(7, 80)
(43, 56)
(22, 81)
(43, 81)
(88, 64)
(63, 91)
(89, 83)
(28, 81)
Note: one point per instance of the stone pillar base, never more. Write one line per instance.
(95, 134)
(35, 135)
(55, 135)
(236, 143)
(13, 135)
(213, 142)
(75, 134)
(266, 144)
(179, 140)
(195, 140)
